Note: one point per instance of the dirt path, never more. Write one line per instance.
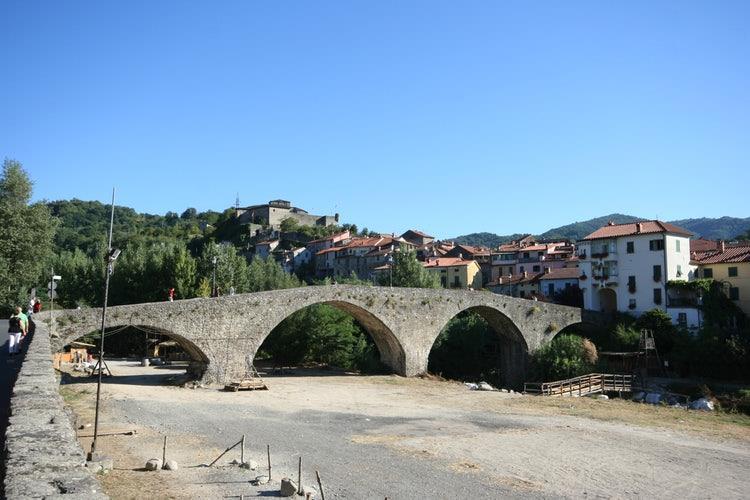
(372, 437)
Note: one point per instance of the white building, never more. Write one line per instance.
(626, 268)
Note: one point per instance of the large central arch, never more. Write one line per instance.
(513, 352)
(390, 349)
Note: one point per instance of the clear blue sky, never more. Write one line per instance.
(451, 117)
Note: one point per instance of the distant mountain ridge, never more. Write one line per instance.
(724, 228)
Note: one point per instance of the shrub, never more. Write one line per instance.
(565, 356)
(627, 338)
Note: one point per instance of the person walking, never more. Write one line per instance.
(15, 332)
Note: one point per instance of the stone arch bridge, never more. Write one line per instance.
(222, 335)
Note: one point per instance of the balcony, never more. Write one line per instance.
(682, 302)
(524, 260)
(602, 254)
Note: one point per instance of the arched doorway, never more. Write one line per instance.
(607, 300)
(480, 343)
(334, 334)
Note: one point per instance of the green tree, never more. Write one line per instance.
(289, 225)
(409, 272)
(182, 271)
(26, 233)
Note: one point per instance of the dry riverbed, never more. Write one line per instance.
(388, 436)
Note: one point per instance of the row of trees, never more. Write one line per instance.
(146, 272)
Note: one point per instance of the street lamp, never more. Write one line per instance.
(213, 287)
(112, 255)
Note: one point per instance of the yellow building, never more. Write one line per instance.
(455, 272)
(728, 264)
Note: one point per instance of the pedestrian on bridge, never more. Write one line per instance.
(16, 330)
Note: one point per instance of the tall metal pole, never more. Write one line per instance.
(52, 303)
(104, 318)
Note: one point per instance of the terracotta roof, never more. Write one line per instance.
(418, 233)
(735, 253)
(447, 262)
(566, 273)
(633, 228)
(328, 250)
(473, 250)
(328, 238)
(508, 247)
(701, 245)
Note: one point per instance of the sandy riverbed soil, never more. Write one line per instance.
(387, 436)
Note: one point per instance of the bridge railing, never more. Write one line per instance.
(591, 383)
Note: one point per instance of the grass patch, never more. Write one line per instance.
(71, 395)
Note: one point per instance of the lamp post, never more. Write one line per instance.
(112, 255)
(213, 286)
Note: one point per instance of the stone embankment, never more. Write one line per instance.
(44, 459)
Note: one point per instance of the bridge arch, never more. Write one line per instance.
(391, 351)
(199, 364)
(511, 351)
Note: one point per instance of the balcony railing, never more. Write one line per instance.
(682, 302)
(523, 260)
(603, 254)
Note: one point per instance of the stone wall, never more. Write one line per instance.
(44, 459)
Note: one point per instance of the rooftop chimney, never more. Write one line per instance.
(638, 227)
(547, 270)
(611, 223)
(722, 247)
(525, 274)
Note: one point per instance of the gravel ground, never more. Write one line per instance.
(378, 437)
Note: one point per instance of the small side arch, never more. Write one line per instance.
(199, 361)
(390, 349)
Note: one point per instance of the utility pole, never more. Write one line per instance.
(112, 255)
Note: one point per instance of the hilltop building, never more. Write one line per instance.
(275, 211)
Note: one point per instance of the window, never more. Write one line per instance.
(551, 289)
(677, 246)
(657, 295)
(521, 270)
(682, 318)
(631, 304)
(656, 245)
(630, 247)
(523, 294)
(734, 293)
(631, 284)
(732, 272)
(540, 254)
(679, 270)
(535, 269)
(526, 255)
(657, 273)
(708, 273)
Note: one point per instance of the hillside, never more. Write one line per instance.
(726, 228)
